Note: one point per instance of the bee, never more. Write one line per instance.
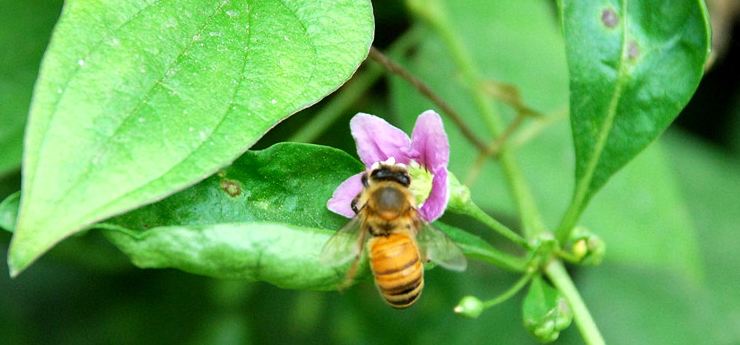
(398, 241)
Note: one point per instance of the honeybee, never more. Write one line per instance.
(388, 226)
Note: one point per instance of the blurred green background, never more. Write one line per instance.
(669, 218)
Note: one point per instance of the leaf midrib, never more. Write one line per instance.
(585, 183)
(215, 128)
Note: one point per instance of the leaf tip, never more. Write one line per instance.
(14, 266)
(24, 251)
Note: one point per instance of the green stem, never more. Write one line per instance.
(420, 86)
(522, 282)
(351, 92)
(584, 321)
(568, 257)
(472, 210)
(432, 12)
(496, 258)
(570, 218)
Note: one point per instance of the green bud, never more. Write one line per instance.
(587, 247)
(545, 312)
(459, 193)
(470, 307)
(544, 244)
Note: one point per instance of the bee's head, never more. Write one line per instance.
(388, 171)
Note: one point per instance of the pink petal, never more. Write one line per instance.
(377, 140)
(341, 201)
(429, 144)
(434, 206)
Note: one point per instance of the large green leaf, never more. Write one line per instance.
(281, 254)
(648, 306)
(139, 99)
(263, 218)
(633, 66)
(710, 181)
(647, 224)
(23, 45)
(287, 183)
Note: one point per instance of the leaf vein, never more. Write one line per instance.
(146, 96)
(205, 140)
(605, 130)
(30, 175)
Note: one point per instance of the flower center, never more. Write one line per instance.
(421, 182)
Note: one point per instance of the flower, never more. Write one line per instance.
(426, 153)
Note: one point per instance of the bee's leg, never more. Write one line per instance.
(352, 271)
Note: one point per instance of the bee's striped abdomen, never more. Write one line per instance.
(399, 273)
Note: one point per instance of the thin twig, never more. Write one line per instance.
(508, 94)
(397, 69)
(522, 282)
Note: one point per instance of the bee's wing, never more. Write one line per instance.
(440, 249)
(345, 245)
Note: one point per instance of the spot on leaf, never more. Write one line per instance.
(633, 50)
(609, 18)
(231, 187)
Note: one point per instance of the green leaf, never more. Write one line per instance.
(633, 304)
(287, 183)
(476, 248)
(9, 211)
(544, 311)
(281, 254)
(263, 218)
(633, 66)
(643, 218)
(710, 180)
(139, 99)
(31, 23)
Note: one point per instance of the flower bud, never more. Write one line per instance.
(470, 307)
(459, 193)
(545, 311)
(587, 247)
